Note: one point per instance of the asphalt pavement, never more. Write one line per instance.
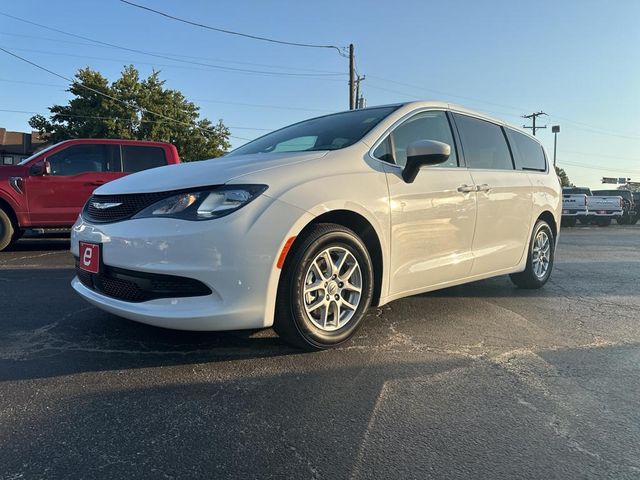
(478, 381)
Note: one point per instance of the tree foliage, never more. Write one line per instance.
(562, 175)
(91, 115)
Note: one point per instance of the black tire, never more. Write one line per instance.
(528, 279)
(603, 222)
(569, 222)
(7, 231)
(292, 323)
(623, 220)
(634, 220)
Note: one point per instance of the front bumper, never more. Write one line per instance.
(235, 256)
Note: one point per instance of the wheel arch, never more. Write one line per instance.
(548, 217)
(367, 233)
(8, 209)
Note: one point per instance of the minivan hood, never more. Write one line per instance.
(216, 171)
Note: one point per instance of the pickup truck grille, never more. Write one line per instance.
(114, 208)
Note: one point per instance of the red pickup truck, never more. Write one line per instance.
(48, 189)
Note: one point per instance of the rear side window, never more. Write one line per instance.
(136, 158)
(527, 153)
(78, 159)
(483, 143)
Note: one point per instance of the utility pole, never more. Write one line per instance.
(533, 117)
(352, 74)
(357, 99)
(555, 129)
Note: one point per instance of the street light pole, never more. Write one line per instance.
(555, 129)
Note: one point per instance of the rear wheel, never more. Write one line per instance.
(539, 260)
(7, 232)
(623, 220)
(325, 289)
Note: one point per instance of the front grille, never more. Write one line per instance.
(131, 286)
(125, 206)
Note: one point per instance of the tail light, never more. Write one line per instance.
(621, 203)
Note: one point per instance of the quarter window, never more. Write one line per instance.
(78, 159)
(483, 143)
(432, 125)
(136, 158)
(528, 153)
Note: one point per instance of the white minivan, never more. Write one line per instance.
(306, 227)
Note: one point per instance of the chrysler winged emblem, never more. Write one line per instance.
(105, 205)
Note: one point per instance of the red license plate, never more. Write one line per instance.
(90, 257)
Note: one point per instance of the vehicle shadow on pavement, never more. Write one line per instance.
(425, 418)
(39, 244)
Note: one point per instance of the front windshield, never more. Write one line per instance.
(330, 132)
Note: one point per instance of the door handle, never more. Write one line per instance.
(464, 188)
(483, 188)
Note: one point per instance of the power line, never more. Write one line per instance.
(601, 169)
(142, 109)
(306, 76)
(99, 117)
(231, 32)
(156, 55)
(592, 154)
(281, 67)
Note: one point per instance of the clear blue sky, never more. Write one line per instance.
(577, 60)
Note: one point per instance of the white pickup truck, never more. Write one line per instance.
(579, 204)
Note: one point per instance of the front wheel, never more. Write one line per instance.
(325, 288)
(539, 260)
(7, 232)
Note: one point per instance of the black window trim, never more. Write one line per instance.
(387, 134)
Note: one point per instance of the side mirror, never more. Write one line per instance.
(37, 169)
(40, 168)
(424, 152)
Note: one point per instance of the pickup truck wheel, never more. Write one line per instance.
(7, 231)
(603, 222)
(539, 259)
(325, 288)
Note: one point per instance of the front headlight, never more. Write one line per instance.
(203, 204)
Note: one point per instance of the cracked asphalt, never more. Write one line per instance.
(477, 381)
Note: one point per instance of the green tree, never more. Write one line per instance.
(92, 115)
(562, 175)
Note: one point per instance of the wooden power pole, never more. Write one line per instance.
(352, 78)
